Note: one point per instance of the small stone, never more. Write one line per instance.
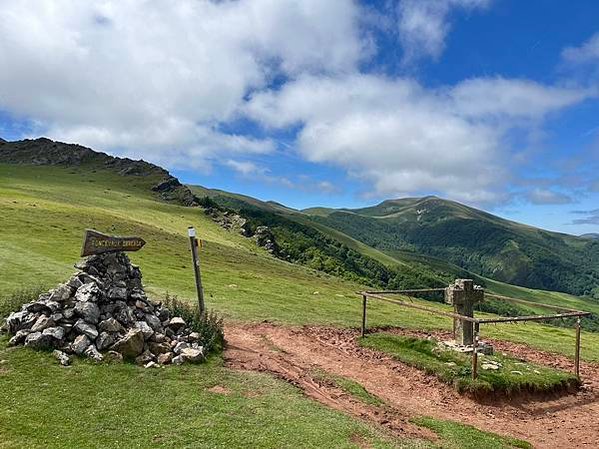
(110, 325)
(117, 293)
(89, 311)
(180, 347)
(19, 338)
(489, 366)
(151, 364)
(113, 356)
(194, 336)
(92, 353)
(165, 358)
(146, 330)
(80, 344)
(87, 329)
(68, 313)
(62, 357)
(158, 338)
(144, 358)
(159, 348)
(38, 307)
(179, 360)
(176, 323)
(518, 373)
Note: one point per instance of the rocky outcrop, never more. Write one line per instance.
(102, 311)
(44, 151)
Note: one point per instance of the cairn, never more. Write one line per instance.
(102, 312)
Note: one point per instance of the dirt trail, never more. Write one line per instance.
(293, 353)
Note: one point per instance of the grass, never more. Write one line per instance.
(512, 378)
(46, 209)
(125, 406)
(349, 386)
(460, 436)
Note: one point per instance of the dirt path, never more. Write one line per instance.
(293, 353)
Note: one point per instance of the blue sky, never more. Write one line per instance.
(494, 103)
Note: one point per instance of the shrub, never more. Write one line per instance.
(210, 326)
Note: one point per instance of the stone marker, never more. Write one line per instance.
(95, 242)
(463, 295)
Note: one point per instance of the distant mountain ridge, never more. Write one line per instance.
(474, 240)
(400, 242)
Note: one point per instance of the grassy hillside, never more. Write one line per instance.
(45, 210)
(474, 240)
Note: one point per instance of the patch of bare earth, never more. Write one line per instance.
(293, 353)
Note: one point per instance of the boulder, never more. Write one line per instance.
(20, 320)
(165, 358)
(80, 344)
(159, 348)
(131, 345)
(89, 311)
(176, 323)
(37, 340)
(56, 333)
(19, 338)
(104, 341)
(92, 353)
(88, 292)
(85, 328)
(41, 323)
(110, 325)
(143, 326)
(192, 355)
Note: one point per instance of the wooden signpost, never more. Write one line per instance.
(95, 242)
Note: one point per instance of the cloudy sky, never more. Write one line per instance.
(494, 103)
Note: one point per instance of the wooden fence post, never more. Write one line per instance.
(196, 268)
(363, 315)
(577, 351)
(475, 352)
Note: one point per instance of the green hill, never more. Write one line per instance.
(46, 207)
(473, 240)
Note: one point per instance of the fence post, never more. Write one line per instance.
(577, 352)
(196, 268)
(475, 352)
(363, 315)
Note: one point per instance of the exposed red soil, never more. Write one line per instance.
(293, 353)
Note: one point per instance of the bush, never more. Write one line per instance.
(210, 326)
(13, 301)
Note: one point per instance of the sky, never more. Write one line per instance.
(338, 103)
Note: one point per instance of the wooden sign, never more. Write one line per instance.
(95, 242)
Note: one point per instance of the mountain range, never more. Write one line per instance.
(399, 243)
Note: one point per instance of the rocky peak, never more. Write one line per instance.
(44, 151)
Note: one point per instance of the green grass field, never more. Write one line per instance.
(513, 376)
(44, 213)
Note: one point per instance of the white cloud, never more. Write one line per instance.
(405, 139)
(545, 196)
(157, 78)
(424, 25)
(587, 52)
(245, 167)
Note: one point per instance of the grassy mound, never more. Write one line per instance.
(512, 378)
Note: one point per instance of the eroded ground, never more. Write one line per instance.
(296, 353)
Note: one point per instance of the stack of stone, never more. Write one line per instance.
(103, 312)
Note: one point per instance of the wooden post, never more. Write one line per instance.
(475, 353)
(577, 352)
(196, 268)
(363, 315)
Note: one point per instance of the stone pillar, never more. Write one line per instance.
(463, 295)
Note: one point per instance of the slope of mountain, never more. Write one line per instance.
(475, 240)
(591, 236)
